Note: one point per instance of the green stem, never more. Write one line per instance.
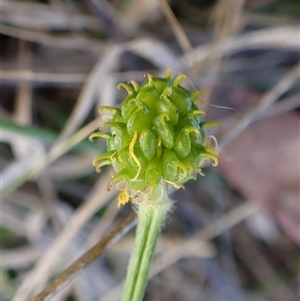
(151, 212)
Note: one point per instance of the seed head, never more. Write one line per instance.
(157, 134)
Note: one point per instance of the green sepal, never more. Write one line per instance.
(180, 97)
(159, 82)
(166, 106)
(164, 130)
(128, 107)
(208, 152)
(182, 144)
(105, 135)
(103, 159)
(148, 95)
(153, 172)
(139, 119)
(120, 159)
(116, 113)
(119, 134)
(124, 175)
(148, 143)
(172, 168)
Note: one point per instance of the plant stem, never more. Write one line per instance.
(151, 212)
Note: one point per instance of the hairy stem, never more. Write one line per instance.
(151, 212)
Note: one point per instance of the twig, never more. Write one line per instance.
(284, 37)
(267, 100)
(283, 106)
(180, 35)
(51, 40)
(64, 278)
(43, 77)
(36, 164)
(39, 275)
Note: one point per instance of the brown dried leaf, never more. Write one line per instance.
(262, 163)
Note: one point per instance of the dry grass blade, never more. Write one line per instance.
(77, 43)
(43, 77)
(87, 258)
(34, 165)
(41, 16)
(267, 100)
(115, 25)
(37, 278)
(180, 35)
(140, 11)
(23, 106)
(22, 257)
(88, 93)
(285, 105)
(157, 53)
(227, 20)
(285, 37)
(231, 219)
(265, 270)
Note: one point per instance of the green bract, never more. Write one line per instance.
(157, 134)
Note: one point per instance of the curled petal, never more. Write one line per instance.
(113, 110)
(206, 124)
(106, 136)
(160, 82)
(150, 79)
(198, 112)
(133, 156)
(104, 156)
(168, 73)
(209, 152)
(178, 78)
(111, 124)
(115, 178)
(141, 105)
(195, 94)
(135, 85)
(128, 89)
(174, 184)
(101, 164)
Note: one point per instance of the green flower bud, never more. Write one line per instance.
(157, 134)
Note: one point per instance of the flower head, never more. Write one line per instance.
(157, 134)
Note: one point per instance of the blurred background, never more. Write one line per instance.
(233, 234)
